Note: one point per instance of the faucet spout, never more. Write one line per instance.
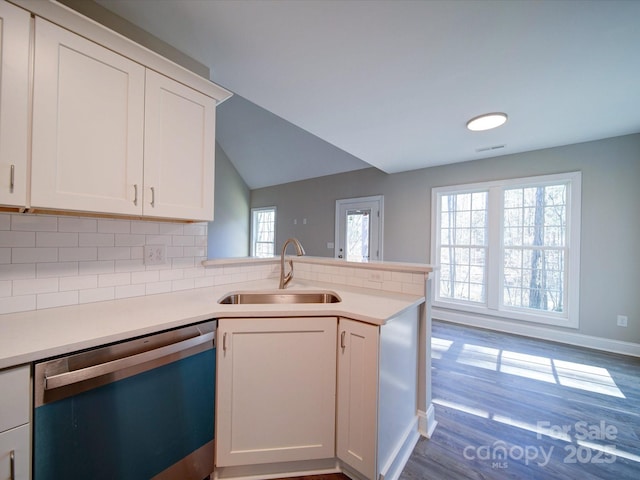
(285, 279)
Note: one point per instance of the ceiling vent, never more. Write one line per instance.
(488, 149)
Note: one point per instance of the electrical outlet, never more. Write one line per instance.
(155, 254)
(374, 276)
(622, 320)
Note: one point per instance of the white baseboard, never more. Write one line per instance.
(268, 471)
(401, 454)
(427, 421)
(535, 331)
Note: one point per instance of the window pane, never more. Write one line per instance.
(534, 237)
(479, 200)
(537, 285)
(445, 235)
(512, 216)
(513, 236)
(358, 235)
(463, 243)
(476, 292)
(477, 236)
(462, 236)
(512, 198)
(463, 218)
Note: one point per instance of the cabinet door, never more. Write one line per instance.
(88, 125)
(276, 390)
(15, 400)
(357, 396)
(14, 92)
(15, 449)
(179, 150)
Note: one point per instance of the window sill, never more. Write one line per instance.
(444, 309)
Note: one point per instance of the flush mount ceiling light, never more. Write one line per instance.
(487, 121)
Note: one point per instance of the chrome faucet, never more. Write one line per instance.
(285, 279)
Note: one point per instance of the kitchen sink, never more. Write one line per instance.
(281, 297)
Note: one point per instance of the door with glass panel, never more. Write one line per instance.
(359, 229)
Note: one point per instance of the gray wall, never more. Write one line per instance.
(610, 265)
(229, 232)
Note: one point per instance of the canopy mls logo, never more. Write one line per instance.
(581, 447)
(499, 453)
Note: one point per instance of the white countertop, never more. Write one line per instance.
(337, 262)
(31, 336)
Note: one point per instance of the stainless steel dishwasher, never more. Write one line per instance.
(138, 410)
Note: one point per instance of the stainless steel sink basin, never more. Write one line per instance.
(282, 297)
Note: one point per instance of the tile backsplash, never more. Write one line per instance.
(355, 275)
(51, 261)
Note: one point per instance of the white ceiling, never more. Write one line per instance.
(393, 82)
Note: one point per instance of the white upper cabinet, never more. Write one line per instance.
(111, 135)
(14, 104)
(179, 146)
(88, 125)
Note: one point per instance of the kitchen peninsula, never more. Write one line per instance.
(388, 298)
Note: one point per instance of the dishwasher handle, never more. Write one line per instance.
(80, 375)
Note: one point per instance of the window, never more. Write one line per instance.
(510, 249)
(263, 231)
(463, 248)
(357, 241)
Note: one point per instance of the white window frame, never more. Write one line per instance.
(254, 211)
(495, 251)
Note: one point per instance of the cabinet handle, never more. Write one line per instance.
(153, 197)
(343, 344)
(110, 366)
(224, 342)
(12, 465)
(135, 194)
(12, 178)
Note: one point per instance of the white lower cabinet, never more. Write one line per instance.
(357, 396)
(316, 395)
(377, 422)
(15, 430)
(15, 454)
(276, 383)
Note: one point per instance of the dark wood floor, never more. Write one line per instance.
(510, 407)
(329, 476)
